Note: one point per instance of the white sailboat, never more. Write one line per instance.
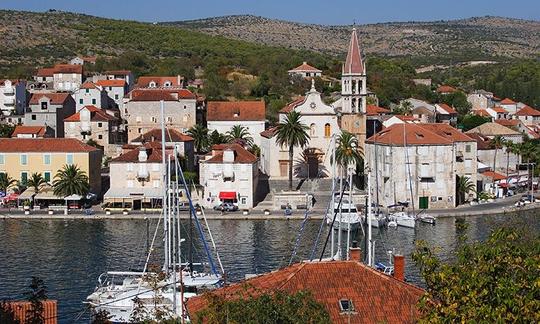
(124, 294)
(348, 216)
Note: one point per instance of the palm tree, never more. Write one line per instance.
(200, 137)
(217, 138)
(239, 132)
(36, 181)
(464, 186)
(291, 132)
(6, 182)
(71, 180)
(497, 142)
(347, 153)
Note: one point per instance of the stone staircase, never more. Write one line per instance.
(321, 189)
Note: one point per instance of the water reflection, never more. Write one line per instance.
(70, 255)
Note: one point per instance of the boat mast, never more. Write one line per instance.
(165, 189)
(369, 212)
(349, 170)
(332, 205)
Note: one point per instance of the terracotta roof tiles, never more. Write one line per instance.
(448, 132)
(507, 101)
(171, 135)
(241, 155)
(373, 110)
(111, 83)
(236, 111)
(68, 68)
(447, 108)
(144, 81)
(55, 98)
(160, 94)
(89, 85)
(304, 67)
(22, 145)
(96, 115)
(408, 134)
(353, 63)
(39, 131)
(494, 175)
(527, 111)
(446, 89)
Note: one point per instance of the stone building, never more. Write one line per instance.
(49, 110)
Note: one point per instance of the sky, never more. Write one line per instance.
(326, 12)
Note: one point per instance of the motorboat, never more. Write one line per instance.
(427, 219)
(403, 219)
(346, 215)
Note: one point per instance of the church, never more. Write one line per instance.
(324, 122)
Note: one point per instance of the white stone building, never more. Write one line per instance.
(229, 173)
(419, 163)
(480, 99)
(509, 105)
(223, 115)
(90, 94)
(67, 77)
(116, 90)
(125, 75)
(528, 115)
(312, 160)
(142, 110)
(161, 82)
(12, 97)
(81, 60)
(305, 71)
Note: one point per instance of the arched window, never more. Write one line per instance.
(327, 130)
(152, 84)
(312, 130)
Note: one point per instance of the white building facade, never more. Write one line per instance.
(12, 97)
(90, 94)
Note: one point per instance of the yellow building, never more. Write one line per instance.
(20, 157)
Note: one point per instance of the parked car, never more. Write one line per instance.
(226, 207)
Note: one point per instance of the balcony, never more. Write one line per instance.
(9, 101)
(9, 90)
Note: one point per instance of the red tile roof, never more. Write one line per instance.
(89, 85)
(160, 94)
(39, 131)
(291, 105)
(45, 72)
(111, 83)
(482, 142)
(508, 122)
(68, 68)
(376, 297)
(494, 175)
(499, 110)
(447, 108)
(144, 81)
(22, 308)
(22, 145)
(507, 101)
(354, 63)
(305, 67)
(269, 133)
(373, 110)
(171, 135)
(405, 117)
(241, 155)
(481, 112)
(55, 98)
(153, 151)
(96, 115)
(408, 134)
(527, 111)
(448, 132)
(446, 89)
(236, 111)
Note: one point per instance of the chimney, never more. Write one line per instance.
(399, 267)
(355, 253)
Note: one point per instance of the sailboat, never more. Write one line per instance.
(125, 294)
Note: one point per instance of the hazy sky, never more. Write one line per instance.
(342, 12)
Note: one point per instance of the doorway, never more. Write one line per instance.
(423, 202)
(137, 204)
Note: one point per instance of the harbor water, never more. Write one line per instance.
(69, 255)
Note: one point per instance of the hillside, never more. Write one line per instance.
(32, 39)
(438, 42)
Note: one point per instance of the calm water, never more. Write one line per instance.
(70, 255)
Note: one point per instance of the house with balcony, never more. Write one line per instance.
(92, 94)
(222, 116)
(49, 110)
(419, 164)
(142, 110)
(173, 138)
(136, 179)
(229, 173)
(20, 157)
(12, 97)
(92, 123)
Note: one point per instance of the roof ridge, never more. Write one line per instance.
(291, 275)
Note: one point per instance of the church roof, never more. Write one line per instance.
(354, 64)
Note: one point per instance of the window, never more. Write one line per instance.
(24, 159)
(154, 119)
(46, 159)
(81, 101)
(116, 97)
(312, 130)
(467, 148)
(243, 200)
(87, 90)
(24, 177)
(140, 130)
(155, 184)
(33, 117)
(346, 305)
(110, 88)
(2, 159)
(327, 130)
(100, 137)
(152, 84)
(169, 119)
(47, 176)
(99, 125)
(167, 84)
(44, 105)
(69, 158)
(93, 101)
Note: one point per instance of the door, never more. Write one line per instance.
(284, 168)
(137, 204)
(313, 166)
(423, 202)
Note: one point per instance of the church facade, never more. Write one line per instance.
(324, 122)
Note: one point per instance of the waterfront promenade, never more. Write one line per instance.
(500, 206)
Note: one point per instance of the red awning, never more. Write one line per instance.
(227, 195)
